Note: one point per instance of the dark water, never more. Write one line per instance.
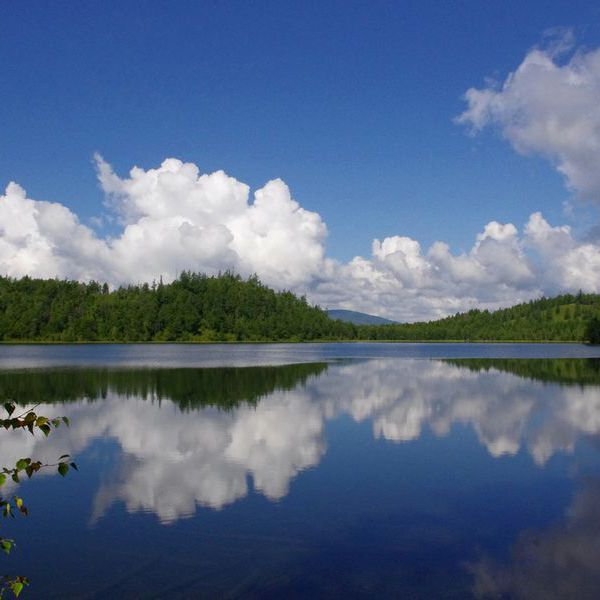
(362, 470)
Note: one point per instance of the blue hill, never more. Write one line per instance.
(358, 318)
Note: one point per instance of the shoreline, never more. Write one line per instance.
(248, 342)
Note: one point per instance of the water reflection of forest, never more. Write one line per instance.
(567, 371)
(188, 388)
(191, 388)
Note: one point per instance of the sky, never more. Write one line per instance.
(407, 159)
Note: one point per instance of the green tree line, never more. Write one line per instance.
(194, 307)
(227, 307)
(568, 317)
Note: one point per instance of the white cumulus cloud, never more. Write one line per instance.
(173, 218)
(551, 108)
(176, 219)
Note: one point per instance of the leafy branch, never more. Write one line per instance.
(9, 506)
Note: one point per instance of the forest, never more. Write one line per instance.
(193, 308)
(228, 308)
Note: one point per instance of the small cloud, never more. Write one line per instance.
(97, 222)
(568, 209)
(557, 41)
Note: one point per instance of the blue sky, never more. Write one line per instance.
(350, 103)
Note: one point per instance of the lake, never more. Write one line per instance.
(309, 470)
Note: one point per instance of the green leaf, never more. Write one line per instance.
(63, 468)
(74, 466)
(2, 479)
(6, 545)
(22, 463)
(63, 456)
(9, 407)
(17, 588)
(66, 421)
(45, 429)
(15, 477)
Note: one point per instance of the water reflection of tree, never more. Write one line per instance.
(569, 371)
(188, 388)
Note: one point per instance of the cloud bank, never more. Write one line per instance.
(174, 218)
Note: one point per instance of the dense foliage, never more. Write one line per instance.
(592, 332)
(562, 318)
(197, 307)
(192, 308)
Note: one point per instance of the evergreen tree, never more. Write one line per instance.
(592, 332)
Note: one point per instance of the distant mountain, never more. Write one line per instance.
(358, 318)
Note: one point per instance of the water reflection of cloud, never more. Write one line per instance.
(507, 412)
(205, 458)
(562, 562)
(176, 460)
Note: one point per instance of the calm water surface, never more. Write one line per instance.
(310, 471)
